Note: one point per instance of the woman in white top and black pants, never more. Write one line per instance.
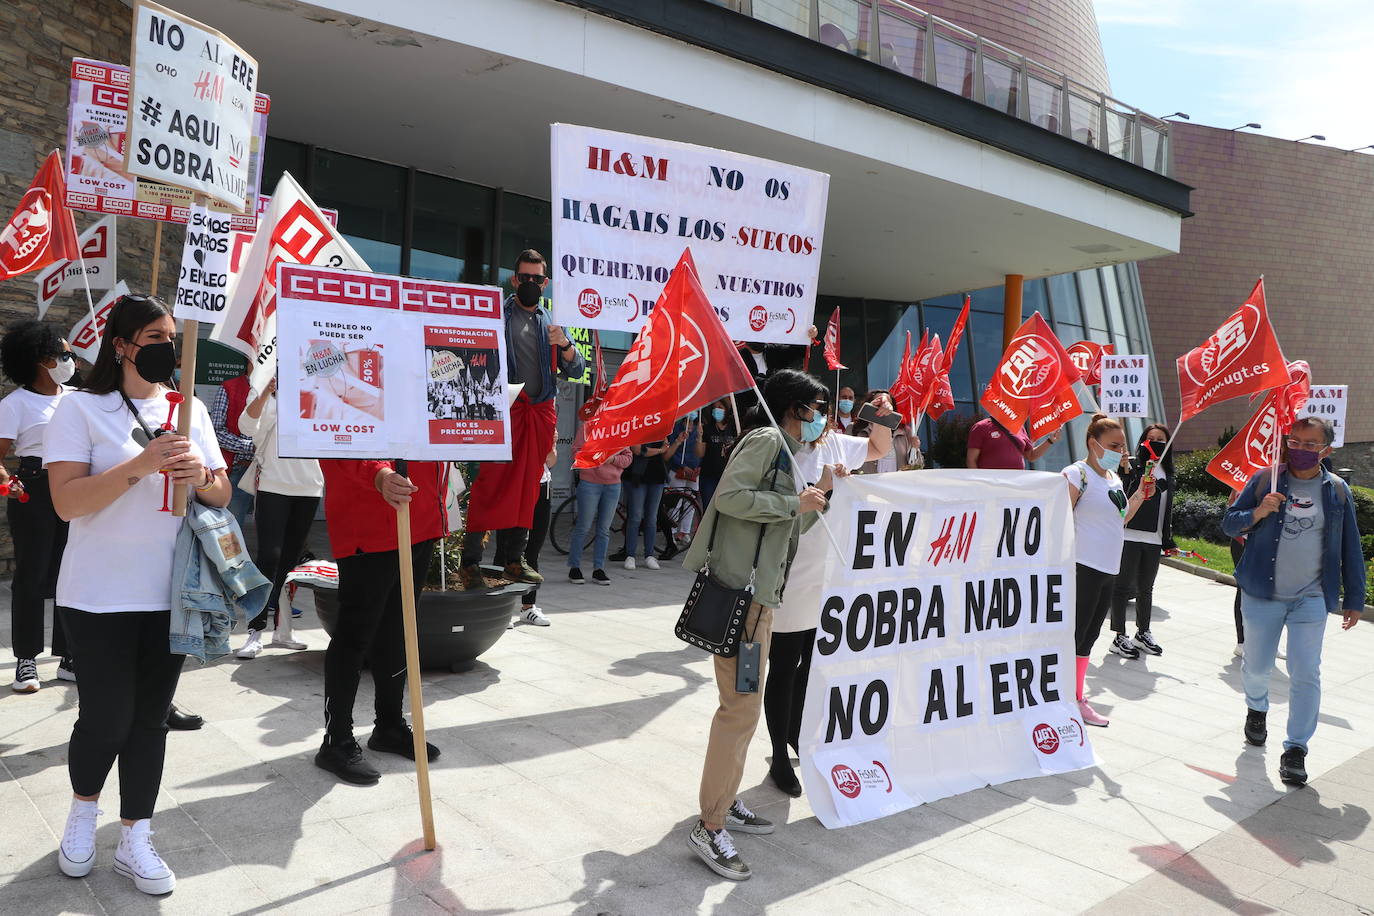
(35, 357)
(288, 495)
(115, 589)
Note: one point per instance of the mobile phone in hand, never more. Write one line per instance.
(870, 413)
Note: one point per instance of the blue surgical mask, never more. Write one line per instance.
(813, 428)
(1109, 459)
(846, 405)
(718, 415)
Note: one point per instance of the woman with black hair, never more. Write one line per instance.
(110, 472)
(749, 533)
(36, 358)
(1148, 534)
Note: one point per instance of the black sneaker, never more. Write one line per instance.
(1123, 646)
(398, 739)
(66, 669)
(717, 850)
(1145, 641)
(668, 554)
(785, 778)
(575, 576)
(741, 820)
(600, 578)
(1293, 767)
(346, 761)
(25, 676)
(1255, 730)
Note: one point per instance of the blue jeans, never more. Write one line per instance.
(641, 515)
(596, 504)
(240, 502)
(1264, 621)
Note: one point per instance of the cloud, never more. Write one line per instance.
(1140, 12)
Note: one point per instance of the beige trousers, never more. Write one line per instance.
(734, 723)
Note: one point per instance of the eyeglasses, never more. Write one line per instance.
(530, 278)
(1304, 446)
(65, 356)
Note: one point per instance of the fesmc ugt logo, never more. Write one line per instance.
(850, 782)
(1048, 739)
(760, 318)
(590, 304)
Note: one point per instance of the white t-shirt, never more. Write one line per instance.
(270, 473)
(1099, 526)
(120, 558)
(23, 416)
(801, 606)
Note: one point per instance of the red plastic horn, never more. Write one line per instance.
(24, 496)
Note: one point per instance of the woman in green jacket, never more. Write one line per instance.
(756, 493)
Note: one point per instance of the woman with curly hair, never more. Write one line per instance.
(34, 356)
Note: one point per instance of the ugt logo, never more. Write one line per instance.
(1031, 369)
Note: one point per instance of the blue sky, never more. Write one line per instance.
(1298, 67)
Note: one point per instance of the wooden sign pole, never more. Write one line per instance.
(417, 703)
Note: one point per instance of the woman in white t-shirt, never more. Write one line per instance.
(288, 494)
(114, 593)
(796, 617)
(36, 358)
(1100, 512)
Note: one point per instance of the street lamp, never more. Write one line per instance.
(1358, 148)
(1310, 137)
(1177, 114)
(1243, 126)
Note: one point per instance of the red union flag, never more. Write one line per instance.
(929, 361)
(1256, 447)
(957, 334)
(905, 396)
(1035, 380)
(1087, 356)
(832, 342)
(940, 395)
(41, 229)
(293, 231)
(1242, 357)
(682, 360)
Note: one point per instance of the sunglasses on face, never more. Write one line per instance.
(530, 278)
(1300, 445)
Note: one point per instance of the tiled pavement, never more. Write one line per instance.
(569, 774)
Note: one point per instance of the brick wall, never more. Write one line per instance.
(37, 43)
(1301, 215)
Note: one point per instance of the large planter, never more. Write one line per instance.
(454, 627)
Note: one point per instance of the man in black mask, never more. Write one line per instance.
(504, 493)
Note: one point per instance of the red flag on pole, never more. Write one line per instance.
(1087, 356)
(1242, 357)
(928, 362)
(1034, 380)
(41, 230)
(957, 334)
(832, 342)
(905, 397)
(940, 395)
(681, 360)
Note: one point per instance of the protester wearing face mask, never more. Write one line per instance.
(794, 621)
(1148, 534)
(504, 494)
(1302, 562)
(1101, 510)
(844, 409)
(36, 358)
(114, 593)
(718, 436)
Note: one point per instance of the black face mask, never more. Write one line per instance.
(529, 294)
(157, 362)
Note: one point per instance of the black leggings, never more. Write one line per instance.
(127, 680)
(1238, 551)
(539, 530)
(1139, 569)
(369, 627)
(283, 525)
(39, 538)
(1094, 601)
(784, 694)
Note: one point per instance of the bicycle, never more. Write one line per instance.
(678, 504)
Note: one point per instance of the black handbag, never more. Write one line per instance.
(713, 616)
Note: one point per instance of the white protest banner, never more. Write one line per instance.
(944, 656)
(624, 206)
(96, 140)
(1125, 385)
(292, 230)
(1329, 402)
(191, 104)
(86, 334)
(378, 366)
(98, 253)
(202, 288)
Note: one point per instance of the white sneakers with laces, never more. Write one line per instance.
(25, 676)
(137, 860)
(534, 615)
(252, 647)
(651, 562)
(76, 852)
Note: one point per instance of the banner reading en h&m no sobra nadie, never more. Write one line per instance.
(378, 366)
(944, 656)
(624, 207)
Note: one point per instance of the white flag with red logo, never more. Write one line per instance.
(85, 336)
(682, 360)
(1087, 356)
(98, 256)
(1256, 446)
(293, 231)
(832, 342)
(1242, 357)
(1036, 380)
(41, 229)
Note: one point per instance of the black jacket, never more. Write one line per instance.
(1146, 517)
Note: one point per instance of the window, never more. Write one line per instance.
(984, 341)
(283, 156)
(1090, 293)
(451, 233)
(370, 199)
(1064, 297)
(525, 223)
(1033, 299)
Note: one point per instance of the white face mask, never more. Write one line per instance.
(63, 371)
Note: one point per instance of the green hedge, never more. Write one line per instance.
(1198, 515)
(1190, 473)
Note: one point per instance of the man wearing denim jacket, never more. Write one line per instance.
(1302, 552)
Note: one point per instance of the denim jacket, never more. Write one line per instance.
(570, 369)
(1342, 561)
(214, 580)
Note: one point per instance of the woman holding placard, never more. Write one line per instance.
(1101, 510)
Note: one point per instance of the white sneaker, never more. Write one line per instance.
(252, 648)
(282, 640)
(1239, 650)
(629, 562)
(651, 563)
(26, 675)
(76, 852)
(66, 669)
(137, 860)
(534, 615)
